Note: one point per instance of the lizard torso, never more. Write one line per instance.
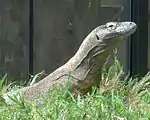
(85, 66)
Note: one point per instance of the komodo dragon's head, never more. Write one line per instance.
(96, 48)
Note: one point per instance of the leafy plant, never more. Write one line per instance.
(117, 99)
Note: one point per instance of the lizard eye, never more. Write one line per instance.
(97, 37)
(110, 25)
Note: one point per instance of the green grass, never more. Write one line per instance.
(117, 99)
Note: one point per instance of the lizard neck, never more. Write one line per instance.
(87, 63)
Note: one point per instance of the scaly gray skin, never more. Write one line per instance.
(85, 66)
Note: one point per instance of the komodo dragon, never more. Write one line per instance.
(85, 66)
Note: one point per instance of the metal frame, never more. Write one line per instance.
(31, 36)
(139, 41)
